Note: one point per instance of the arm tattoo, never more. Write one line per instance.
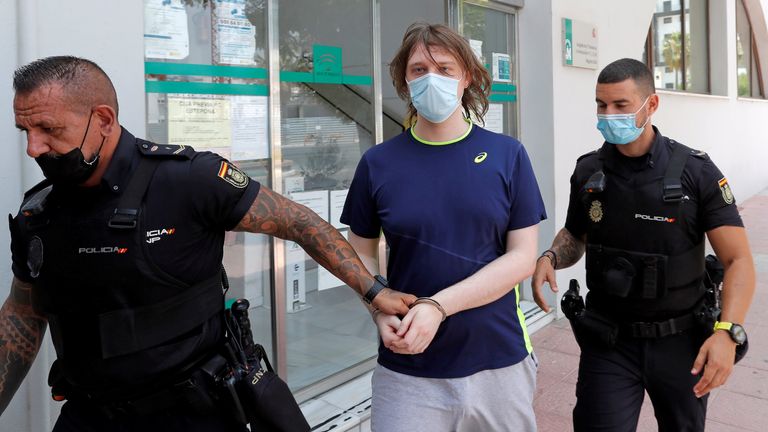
(21, 333)
(273, 214)
(568, 248)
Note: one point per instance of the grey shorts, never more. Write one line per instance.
(492, 400)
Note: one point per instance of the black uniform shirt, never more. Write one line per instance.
(192, 199)
(709, 204)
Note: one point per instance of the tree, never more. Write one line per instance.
(672, 54)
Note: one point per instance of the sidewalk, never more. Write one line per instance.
(740, 405)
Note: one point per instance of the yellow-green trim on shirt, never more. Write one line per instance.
(521, 318)
(438, 143)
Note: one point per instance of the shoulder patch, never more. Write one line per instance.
(725, 190)
(232, 175)
(592, 153)
(150, 149)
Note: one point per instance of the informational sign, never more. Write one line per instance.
(477, 48)
(579, 44)
(248, 118)
(327, 64)
(295, 277)
(501, 68)
(338, 198)
(317, 201)
(325, 279)
(166, 35)
(203, 123)
(236, 36)
(494, 118)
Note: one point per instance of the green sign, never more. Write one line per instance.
(580, 44)
(568, 41)
(327, 64)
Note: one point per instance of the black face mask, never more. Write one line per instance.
(70, 168)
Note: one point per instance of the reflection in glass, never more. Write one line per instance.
(204, 89)
(680, 45)
(696, 46)
(492, 34)
(326, 125)
(746, 64)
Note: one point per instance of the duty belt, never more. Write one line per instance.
(659, 329)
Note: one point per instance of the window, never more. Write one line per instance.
(750, 83)
(677, 48)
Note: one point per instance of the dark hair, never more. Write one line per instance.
(475, 99)
(627, 68)
(84, 83)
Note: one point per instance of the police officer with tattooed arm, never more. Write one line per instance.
(132, 320)
(640, 207)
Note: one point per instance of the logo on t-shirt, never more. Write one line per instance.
(480, 157)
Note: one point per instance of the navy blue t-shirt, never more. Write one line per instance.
(445, 210)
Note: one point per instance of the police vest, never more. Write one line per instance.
(640, 265)
(109, 306)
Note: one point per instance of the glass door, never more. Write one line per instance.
(492, 32)
(327, 122)
(206, 86)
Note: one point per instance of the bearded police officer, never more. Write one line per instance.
(120, 251)
(640, 207)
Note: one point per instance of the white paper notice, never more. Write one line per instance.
(477, 48)
(249, 127)
(165, 30)
(201, 123)
(295, 278)
(338, 198)
(236, 35)
(317, 201)
(494, 118)
(325, 279)
(153, 108)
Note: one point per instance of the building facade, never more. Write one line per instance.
(294, 91)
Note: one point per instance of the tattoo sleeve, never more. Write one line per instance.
(21, 333)
(273, 214)
(568, 248)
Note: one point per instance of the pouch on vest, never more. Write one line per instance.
(622, 273)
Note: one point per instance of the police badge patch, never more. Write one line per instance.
(596, 211)
(725, 190)
(232, 175)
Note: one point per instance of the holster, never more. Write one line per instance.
(596, 326)
(267, 401)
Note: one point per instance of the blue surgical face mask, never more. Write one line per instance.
(621, 128)
(434, 96)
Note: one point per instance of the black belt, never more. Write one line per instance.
(659, 329)
(196, 393)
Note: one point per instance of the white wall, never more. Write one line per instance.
(109, 33)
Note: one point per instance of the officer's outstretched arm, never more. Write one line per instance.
(567, 251)
(21, 333)
(276, 215)
(716, 355)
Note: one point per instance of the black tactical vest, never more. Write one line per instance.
(638, 248)
(115, 317)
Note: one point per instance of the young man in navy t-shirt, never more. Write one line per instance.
(459, 207)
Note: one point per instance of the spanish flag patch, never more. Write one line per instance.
(725, 190)
(232, 175)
